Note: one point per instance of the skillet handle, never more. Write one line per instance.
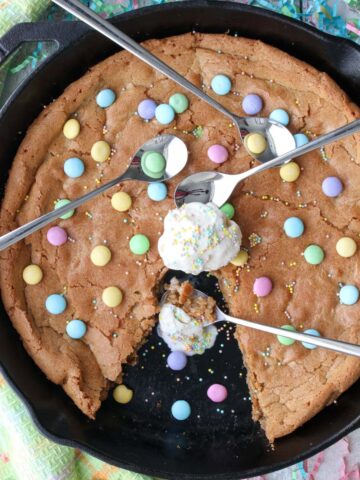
(62, 33)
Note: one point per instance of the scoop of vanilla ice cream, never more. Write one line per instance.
(198, 238)
(183, 333)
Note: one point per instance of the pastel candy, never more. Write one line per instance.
(300, 139)
(221, 84)
(252, 104)
(153, 164)
(32, 274)
(105, 98)
(255, 143)
(332, 186)
(179, 102)
(177, 360)
(146, 109)
(100, 255)
(293, 227)
(121, 201)
(346, 247)
(262, 286)
(290, 172)
(112, 296)
(181, 410)
(315, 333)
(157, 191)
(314, 254)
(280, 115)
(217, 393)
(122, 394)
(218, 153)
(76, 329)
(164, 114)
(100, 151)
(71, 129)
(61, 203)
(284, 340)
(139, 244)
(349, 295)
(74, 167)
(55, 304)
(56, 236)
(228, 210)
(241, 259)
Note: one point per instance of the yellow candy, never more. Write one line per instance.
(255, 143)
(32, 274)
(100, 255)
(241, 259)
(346, 247)
(71, 128)
(290, 172)
(112, 296)
(100, 151)
(122, 394)
(121, 201)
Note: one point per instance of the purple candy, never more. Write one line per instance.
(217, 393)
(146, 109)
(262, 286)
(56, 236)
(332, 186)
(252, 104)
(217, 153)
(177, 360)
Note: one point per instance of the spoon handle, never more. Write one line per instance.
(104, 27)
(319, 142)
(328, 343)
(19, 233)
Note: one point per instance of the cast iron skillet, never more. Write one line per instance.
(141, 436)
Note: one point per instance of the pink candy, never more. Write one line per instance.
(262, 286)
(217, 393)
(56, 236)
(218, 153)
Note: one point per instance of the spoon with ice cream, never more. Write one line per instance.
(177, 330)
(217, 187)
(159, 159)
(269, 137)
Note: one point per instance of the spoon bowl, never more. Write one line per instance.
(173, 150)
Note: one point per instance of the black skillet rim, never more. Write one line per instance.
(27, 402)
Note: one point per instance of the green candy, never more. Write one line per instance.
(284, 340)
(62, 203)
(314, 254)
(228, 210)
(153, 164)
(139, 244)
(179, 102)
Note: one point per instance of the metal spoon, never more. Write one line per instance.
(279, 138)
(216, 187)
(175, 153)
(328, 343)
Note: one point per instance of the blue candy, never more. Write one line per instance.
(55, 304)
(349, 294)
(74, 167)
(281, 116)
(313, 332)
(221, 84)
(76, 329)
(105, 98)
(164, 114)
(300, 139)
(157, 191)
(181, 410)
(293, 227)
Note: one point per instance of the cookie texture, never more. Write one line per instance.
(288, 384)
